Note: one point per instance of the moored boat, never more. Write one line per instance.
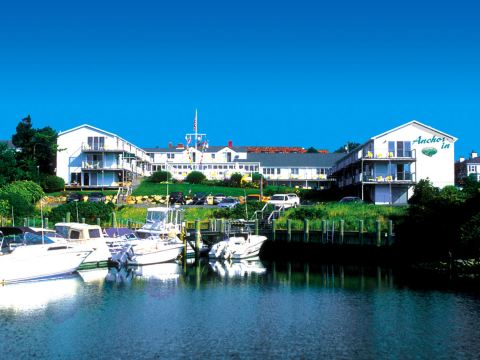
(29, 256)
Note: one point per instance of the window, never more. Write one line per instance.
(403, 149)
(75, 178)
(391, 148)
(472, 168)
(170, 156)
(294, 171)
(278, 171)
(96, 142)
(74, 234)
(94, 233)
(320, 171)
(213, 156)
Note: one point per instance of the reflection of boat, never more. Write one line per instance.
(30, 255)
(241, 244)
(163, 272)
(238, 268)
(88, 235)
(37, 294)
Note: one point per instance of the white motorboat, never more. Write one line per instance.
(240, 245)
(90, 236)
(28, 256)
(148, 251)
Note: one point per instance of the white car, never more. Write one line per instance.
(284, 200)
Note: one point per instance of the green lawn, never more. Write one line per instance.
(148, 188)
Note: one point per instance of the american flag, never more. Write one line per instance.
(195, 121)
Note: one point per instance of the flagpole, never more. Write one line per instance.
(196, 136)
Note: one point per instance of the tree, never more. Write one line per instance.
(37, 149)
(312, 150)
(8, 165)
(471, 187)
(349, 146)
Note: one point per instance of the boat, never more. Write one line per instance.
(240, 244)
(155, 242)
(90, 236)
(27, 255)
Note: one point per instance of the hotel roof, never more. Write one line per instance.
(315, 160)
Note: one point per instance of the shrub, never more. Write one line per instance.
(235, 179)
(21, 206)
(4, 208)
(89, 211)
(52, 183)
(30, 191)
(160, 176)
(195, 177)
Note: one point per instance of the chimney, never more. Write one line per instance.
(462, 159)
(180, 146)
(170, 145)
(473, 155)
(230, 143)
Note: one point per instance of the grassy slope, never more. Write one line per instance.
(148, 188)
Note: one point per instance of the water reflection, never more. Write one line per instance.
(238, 269)
(34, 295)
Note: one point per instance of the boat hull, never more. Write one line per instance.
(40, 261)
(154, 252)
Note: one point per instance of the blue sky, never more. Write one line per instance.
(304, 73)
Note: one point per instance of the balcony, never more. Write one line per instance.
(398, 178)
(389, 156)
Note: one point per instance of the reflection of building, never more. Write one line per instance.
(385, 168)
(92, 157)
(466, 167)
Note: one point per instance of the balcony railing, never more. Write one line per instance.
(410, 154)
(398, 177)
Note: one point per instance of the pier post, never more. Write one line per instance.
(306, 230)
(289, 230)
(274, 229)
(390, 232)
(25, 221)
(198, 236)
(64, 219)
(45, 223)
(114, 220)
(324, 231)
(222, 229)
(342, 231)
(98, 221)
(129, 223)
(211, 225)
(83, 220)
(67, 216)
(360, 231)
(256, 226)
(379, 233)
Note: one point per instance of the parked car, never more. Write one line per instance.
(199, 199)
(351, 199)
(284, 200)
(228, 203)
(74, 197)
(96, 197)
(217, 198)
(176, 197)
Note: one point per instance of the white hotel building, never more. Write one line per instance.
(383, 170)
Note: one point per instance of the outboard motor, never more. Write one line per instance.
(122, 257)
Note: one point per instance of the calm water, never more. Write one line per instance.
(249, 310)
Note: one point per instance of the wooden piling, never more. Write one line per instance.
(342, 231)
(360, 231)
(114, 220)
(25, 221)
(198, 236)
(98, 221)
(83, 220)
(306, 230)
(289, 230)
(274, 229)
(379, 233)
(256, 227)
(45, 223)
(390, 232)
(324, 231)
(129, 223)
(67, 216)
